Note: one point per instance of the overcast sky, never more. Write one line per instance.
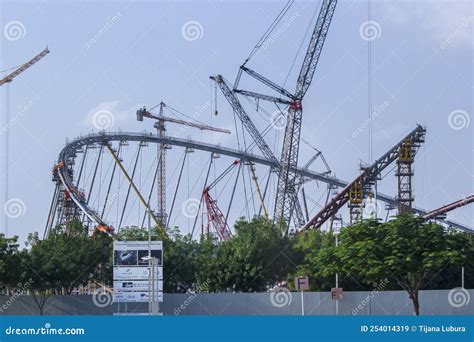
(119, 55)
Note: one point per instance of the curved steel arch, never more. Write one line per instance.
(68, 154)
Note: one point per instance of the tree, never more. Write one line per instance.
(66, 259)
(257, 257)
(9, 258)
(408, 250)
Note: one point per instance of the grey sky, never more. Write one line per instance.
(119, 55)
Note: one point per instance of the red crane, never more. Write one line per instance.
(214, 214)
(448, 207)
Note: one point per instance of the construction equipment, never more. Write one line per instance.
(23, 67)
(160, 126)
(287, 188)
(353, 192)
(214, 214)
(440, 213)
(254, 133)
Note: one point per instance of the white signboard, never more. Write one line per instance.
(136, 273)
(135, 297)
(135, 285)
(131, 270)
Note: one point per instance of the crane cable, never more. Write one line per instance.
(269, 30)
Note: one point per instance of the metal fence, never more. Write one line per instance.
(436, 302)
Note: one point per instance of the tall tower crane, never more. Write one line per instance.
(287, 188)
(160, 126)
(6, 80)
(23, 67)
(234, 102)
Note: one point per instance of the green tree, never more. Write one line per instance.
(254, 259)
(407, 250)
(66, 259)
(9, 259)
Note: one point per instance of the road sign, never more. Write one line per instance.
(302, 283)
(336, 293)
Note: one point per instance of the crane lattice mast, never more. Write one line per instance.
(160, 126)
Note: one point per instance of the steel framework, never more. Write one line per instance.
(63, 178)
(353, 192)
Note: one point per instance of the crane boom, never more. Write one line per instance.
(315, 47)
(253, 131)
(446, 208)
(244, 118)
(287, 186)
(23, 67)
(143, 112)
(368, 174)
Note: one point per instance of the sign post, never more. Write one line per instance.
(302, 284)
(138, 273)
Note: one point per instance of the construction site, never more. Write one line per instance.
(255, 148)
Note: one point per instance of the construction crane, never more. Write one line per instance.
(440, 212)
(23, 67)
(160, 126)
(234, 102)
(214, 214)
(353, 192)
(287, 188)
(6, 80)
